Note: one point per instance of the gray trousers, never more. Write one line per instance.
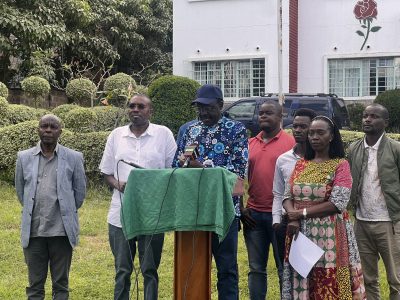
(379, 239)
(149, 248)
(42, 253)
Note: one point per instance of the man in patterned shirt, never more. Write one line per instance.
(222, 143)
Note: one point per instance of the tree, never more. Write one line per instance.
(58, 38)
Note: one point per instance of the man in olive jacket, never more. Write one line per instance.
(51, 185)
(375, 200)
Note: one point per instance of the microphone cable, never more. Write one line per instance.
(136, 283)
(194, 237)
(151, 235)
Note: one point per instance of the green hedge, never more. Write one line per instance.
(11, 114)
(355, 115)
(80, 119)
(21, 113)
(14, 138)
(3, 90)
(24, 135)
(62, 110)
(391, 100)
(172, 97)
(109, 117)
(4, 120)
(91, 144)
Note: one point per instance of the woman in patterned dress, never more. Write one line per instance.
(315, 200)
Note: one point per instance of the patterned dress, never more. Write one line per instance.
(338, 273)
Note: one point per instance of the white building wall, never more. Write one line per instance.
(327, 29)
(204, 30)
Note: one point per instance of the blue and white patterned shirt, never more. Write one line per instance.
(225, 144)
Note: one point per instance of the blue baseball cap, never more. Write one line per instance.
(208, 94)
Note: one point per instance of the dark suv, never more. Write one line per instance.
(246, 110)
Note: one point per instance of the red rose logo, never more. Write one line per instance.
(365, 12)
(365, 9)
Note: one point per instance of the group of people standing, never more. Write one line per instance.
(297, 183)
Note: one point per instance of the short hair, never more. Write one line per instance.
(305, 112)
(336, 148)
(143, 96)
(276, 105)
(385, 112)
(53, 117)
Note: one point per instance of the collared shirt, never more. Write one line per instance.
(224, 144)
(154, 149)
(46, 214)
(372, 206)
(283, 170)
(262, 159)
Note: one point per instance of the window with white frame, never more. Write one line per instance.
(237, 78)
(363, 77)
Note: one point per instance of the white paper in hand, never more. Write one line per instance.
(304, 254)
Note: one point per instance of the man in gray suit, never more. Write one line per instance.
(51, 186)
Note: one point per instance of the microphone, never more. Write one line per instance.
(191, 152)
(132, 164)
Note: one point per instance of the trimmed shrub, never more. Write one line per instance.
(119, 88)
(81, 91)
(391, 100)
(91, 145)
(80, 119)
(3, 90)
(141, 89)
(11, 114)
(15, 138)
(24, 135)
(109, 117)
(36, 87)
(62, 110)
(355, 115)
(172, 97)
(21, 113)
(4, 119)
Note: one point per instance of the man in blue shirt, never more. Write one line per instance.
(222, 143)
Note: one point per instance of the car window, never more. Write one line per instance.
(341, 107)
(319, 106)
(336, 108)
(242, 110)
(286, 107)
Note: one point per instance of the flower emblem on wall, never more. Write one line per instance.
(366, 11)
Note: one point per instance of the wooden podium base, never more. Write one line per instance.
(192, 268)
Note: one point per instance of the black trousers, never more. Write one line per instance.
(41, 253)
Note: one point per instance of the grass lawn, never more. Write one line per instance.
(92, 271)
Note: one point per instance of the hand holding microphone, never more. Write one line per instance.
(188, 159)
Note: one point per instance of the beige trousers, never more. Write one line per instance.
(379, 239)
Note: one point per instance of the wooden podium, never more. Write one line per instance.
(192, 268)
(191, 202)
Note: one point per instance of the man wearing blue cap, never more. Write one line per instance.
(222, 143)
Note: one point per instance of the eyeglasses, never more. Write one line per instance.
(206, 108)
(139, 106)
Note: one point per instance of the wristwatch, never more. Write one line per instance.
(304, 213)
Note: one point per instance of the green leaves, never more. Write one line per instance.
(360, 33)
(129, 34)
(375, 28)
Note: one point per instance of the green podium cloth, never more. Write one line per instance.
(182, 199)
